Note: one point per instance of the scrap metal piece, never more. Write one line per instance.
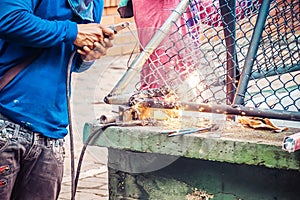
(127, 114)
(105, 119)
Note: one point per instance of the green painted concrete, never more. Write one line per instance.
(236, 145)
(232, 163)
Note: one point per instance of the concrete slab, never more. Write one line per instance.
(232, 144)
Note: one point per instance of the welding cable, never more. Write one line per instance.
(68, 95)
(97, 132)
(92, 135)
(74, 179)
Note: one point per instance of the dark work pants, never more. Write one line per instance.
(31, 165)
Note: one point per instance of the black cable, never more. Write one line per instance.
(74, 179)
(87, 142)
(71, 127)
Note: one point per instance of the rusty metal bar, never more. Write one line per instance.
(253, 47)
(229, 20)
(221, 109)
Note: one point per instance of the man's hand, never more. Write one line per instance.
(88, 34)
(99, 50)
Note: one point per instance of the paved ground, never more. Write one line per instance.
(89, 89)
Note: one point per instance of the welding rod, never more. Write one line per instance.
(189, 131)
(125, 124)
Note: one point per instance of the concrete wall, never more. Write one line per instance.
(125, 41)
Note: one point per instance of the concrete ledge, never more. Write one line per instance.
(236, 145)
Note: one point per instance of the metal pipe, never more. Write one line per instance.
(253, 47)
(229, 20)
(118, 99)
(105, 119)
(222, 109)
(158, 37)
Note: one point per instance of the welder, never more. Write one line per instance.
(38, 41)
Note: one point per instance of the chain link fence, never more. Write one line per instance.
(234, 57)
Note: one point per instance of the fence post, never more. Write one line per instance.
(229, 20)
(253, 47)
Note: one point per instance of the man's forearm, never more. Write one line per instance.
(19, 24)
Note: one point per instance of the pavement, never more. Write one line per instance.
(88, 90)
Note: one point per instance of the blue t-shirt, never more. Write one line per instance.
(36, 97)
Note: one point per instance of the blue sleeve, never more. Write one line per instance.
(98, 10)
(19, 24)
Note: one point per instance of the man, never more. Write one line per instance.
(33, 105)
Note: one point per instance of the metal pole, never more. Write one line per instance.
(138, 63)
(229, 19)
(221, 109)
(253, 47)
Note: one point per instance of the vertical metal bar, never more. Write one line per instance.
(252, 51)
(229, 19)
(138, 63)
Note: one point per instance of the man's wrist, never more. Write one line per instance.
(82, 65)
(85, 61)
